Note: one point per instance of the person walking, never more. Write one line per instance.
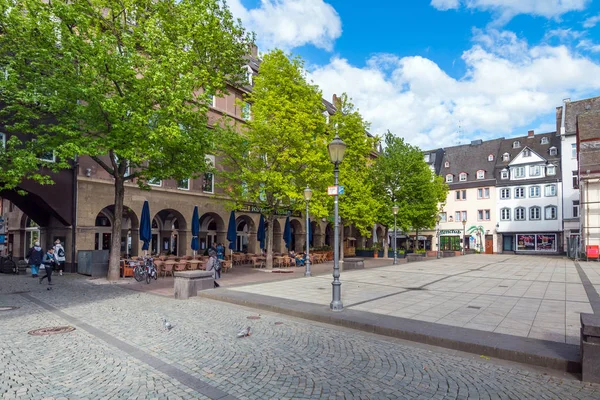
(34, 258)
(214, 265)
(49, 262)
(59, 254)
(221, 251)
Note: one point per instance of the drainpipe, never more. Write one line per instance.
(562, 134)
(74, 214)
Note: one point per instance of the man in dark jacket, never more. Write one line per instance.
(49, 262)
(34, 256)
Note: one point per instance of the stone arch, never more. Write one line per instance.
(298, 235)
(329, 235)
(277, 236)
(172, 237)
(130, 223)
(246, 234)
(212, 230)
(317, 235)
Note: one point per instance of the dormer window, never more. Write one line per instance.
(552, 151)
(481, 174)
(550, 170)
(545, 140)
(505, 157)
(526, 153)
(449, 178)
(516, 144)
(491, 157)
(462, 177)
(447, 164)
(504, 174)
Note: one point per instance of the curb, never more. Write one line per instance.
(541, 353)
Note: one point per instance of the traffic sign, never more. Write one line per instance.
(340, 190)
(332, 191)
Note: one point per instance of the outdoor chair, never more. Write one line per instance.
(168, 268)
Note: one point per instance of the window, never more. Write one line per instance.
(516, 144)
(534, 191)
(464, 215)
(553, 151)
(449, 178)
(505, 157)
(526, 153)
(544, 140)
(574, 150)
(462, 177)
(575, 208)
(208, 183)
(550, 170)
(535, 170)
(550, 190)
(447, 164)
(443, 217)
(519, 172)
(504, 174)
(519, 193)
(154, 182)
(505, 214)
(214, 101)
(464, 194)
(183, 184)
(483, 215)
(2, 140)
(481, 174)
(520, 214)
(247, 111)
(491, 157)
(504, 194)
(457, 216)
(575, 180)
(551, 212)
(483, 193)
(427, 157)
(461, 195)
(535, 213)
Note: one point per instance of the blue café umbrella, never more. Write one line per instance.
(232, 231)
(195, 230)
(146, 226)
(310, 232)
(287, 233)
(261, 234)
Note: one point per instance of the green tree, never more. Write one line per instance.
(403, 178)
(357, 206)
(282, 147)
(126, 82)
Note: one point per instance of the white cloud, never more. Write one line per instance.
(591, 22)
(445, 4)
(506, 9)
(588, 45)
(563, 34)
(508, 84)
(291, 23)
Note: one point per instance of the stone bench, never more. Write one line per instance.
(353, 263)
(188, 283)
(590, 348)
(415, 257)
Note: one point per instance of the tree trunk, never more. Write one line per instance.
(115, 247)
(269, 260)
(385, 243)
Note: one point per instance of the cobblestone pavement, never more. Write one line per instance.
(283, 358)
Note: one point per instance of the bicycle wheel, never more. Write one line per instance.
(138, 273)
(148, 277)
(154, 272)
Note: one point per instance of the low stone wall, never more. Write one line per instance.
(188, 283)
(353, 263)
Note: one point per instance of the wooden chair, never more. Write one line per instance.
(226, 265)
(180, 265)
(257, 263)
(168, 268)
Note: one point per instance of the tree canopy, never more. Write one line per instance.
(125, 82)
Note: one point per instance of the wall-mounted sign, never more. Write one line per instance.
(450, 232)
(332, 191)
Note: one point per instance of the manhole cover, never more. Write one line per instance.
(51, 331)
(8, 308)
(474, 307)
(253, 317)
(278, 323)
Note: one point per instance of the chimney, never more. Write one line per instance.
(334, 99)
(254, 50)
(530, 134)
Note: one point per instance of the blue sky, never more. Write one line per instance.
(441, 72)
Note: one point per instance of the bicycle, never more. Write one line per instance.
(145, 270)
(7, 265)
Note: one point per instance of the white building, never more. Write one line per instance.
(529, 198)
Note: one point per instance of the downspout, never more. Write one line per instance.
(562, 138)
(74, 215)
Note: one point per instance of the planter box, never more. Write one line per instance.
(448, 254)
(416, 257)
(432, 253)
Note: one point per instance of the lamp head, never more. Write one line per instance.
(336, 149)
(307, 193)
(464, 222)
(438, 218)
(395, 209)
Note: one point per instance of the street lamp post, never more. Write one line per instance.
(336, 149)
(395, 211)
(307, 197)
(438, 219)
(464, 222)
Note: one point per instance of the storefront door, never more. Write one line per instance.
(507, 243)
(489, 244)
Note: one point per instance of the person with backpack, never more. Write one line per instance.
(49, 262)
(59, 255)
(34, 258)
(214, 265)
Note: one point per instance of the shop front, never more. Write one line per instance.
(450, 240)
(531, 242)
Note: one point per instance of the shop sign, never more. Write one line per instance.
(256, 209)
(451, 232)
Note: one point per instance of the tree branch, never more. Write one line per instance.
(103, 165)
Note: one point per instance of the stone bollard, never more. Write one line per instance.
(187, 283)
(590, 348)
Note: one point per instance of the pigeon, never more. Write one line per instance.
(244, 332)
(167, 325)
